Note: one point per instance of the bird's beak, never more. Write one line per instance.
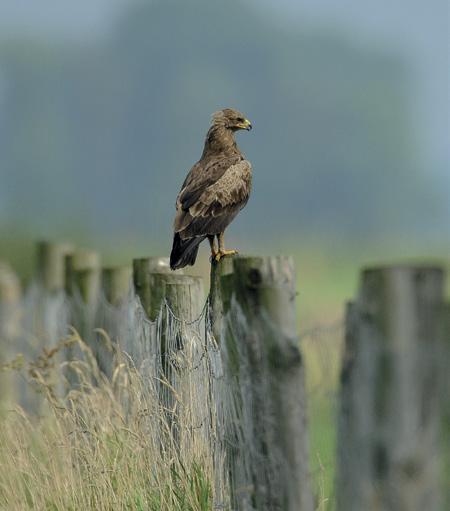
(246, 125)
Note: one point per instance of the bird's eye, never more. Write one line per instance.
(240, 119)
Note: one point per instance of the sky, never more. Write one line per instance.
(419, 30)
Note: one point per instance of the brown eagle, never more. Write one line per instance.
(215, 190)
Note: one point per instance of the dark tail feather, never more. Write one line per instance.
(184, 252)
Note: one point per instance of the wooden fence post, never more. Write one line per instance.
(44, 313)
(82, 276)
(112, 316)
(184, 297)
(183, 293)
(445, 392)
(221, 273)
(445, 360)
(50, 264)
(47, 304)
(10, 296)
(115, 283)
(266, 375)
(10, 329)
(142, 268)
(82, 283)
(389, 418)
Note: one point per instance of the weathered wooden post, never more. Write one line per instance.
(82, 283)
(219, 294)
(51, 265)
(10, 327)
(82, 276)
(142, 268)
(389, 419)
(184, 298)
(111, 315)
(116, 284)
(183, 295)
(47, 304)
(445, 359)
(269, 466)
(445, 382)
(44, 315)
(10, 296)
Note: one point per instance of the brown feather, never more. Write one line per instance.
(216, 188)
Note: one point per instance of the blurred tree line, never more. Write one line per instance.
(101, 134)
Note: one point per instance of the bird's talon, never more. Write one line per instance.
(223, 253)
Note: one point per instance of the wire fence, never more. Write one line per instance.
(197, 406)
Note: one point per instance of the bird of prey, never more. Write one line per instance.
(215, 190)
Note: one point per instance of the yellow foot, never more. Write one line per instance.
(224, 253)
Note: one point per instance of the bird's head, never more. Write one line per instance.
(231, 119)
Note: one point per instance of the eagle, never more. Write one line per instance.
(215, 190)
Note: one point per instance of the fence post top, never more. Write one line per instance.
(83, 259)
(402, 268)
(152, 263)
(266, 271)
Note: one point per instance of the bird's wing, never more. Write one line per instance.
(231, 190)
(209, 202)
(203, 175)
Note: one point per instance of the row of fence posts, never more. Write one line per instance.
(394, 396)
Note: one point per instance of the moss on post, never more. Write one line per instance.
(219, 294)
(142, 268)
(267, 378)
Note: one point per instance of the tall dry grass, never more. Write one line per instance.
(106, 446)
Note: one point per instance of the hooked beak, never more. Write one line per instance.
(246, 125)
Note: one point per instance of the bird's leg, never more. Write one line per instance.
(212, 244)
(222, 252)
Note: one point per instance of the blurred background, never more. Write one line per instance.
(104, 105)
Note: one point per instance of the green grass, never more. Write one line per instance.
(321, 350)
(322, 436)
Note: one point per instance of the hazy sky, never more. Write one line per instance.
(415, 29)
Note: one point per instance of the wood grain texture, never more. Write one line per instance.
(389, 417)
(269, 459)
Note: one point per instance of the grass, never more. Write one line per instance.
(52, 464)
(100, 449)
(321, 350)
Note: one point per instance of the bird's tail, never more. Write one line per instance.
(184, 252)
